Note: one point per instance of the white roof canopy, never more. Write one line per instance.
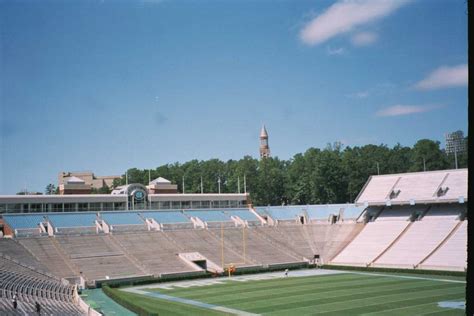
(75, 180)
(442, 186)
(160, 180)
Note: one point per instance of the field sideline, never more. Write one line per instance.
(304, 292)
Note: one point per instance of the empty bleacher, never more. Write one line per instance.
(25, 224)
(30, 286)
(208, 243)
(48, 252)
(376, 237)
(243, 214)
(98, 256)
(452, 254)
(282, 213)
(12, 248)
(417, 242)
(73, 223)
(209, 215)
(154, 251)
(257, 248)
(123, 221)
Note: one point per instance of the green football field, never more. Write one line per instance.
(347, 293)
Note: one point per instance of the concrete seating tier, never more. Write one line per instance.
(258, 249)
(291, 237)
(166, 217)
(209, 216)
(243, 214)
(75, 230)
(452, 255)
(72, 219)
(371, 241)
(29, 287)
(15, 250)
(24, 221)
(46, 250)
(122, 218)
(208, 243)
(154, 251)
(97, 256)
(178, 226)
(121, 228)
(417, 242)
(282, 212)
(322, 212)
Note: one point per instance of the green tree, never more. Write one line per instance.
(50, 189)
(427, 153)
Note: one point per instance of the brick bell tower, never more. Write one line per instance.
(264, 148)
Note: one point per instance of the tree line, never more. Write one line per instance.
(334, 174)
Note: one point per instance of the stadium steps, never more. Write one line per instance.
(257, 248)
(451, 233)
(66, 260)
(354, 233)
(231, 252)
(14, 249)
(279, 242)
(43, 249)
(391, 244)
(130, 257)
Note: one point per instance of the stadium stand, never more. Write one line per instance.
(154, 250)
(47, 251)
(13, 249)
(452, 254)
(376, 237)
(282, 213)
(166, 217)
(25, 224)
(209, 216)
(73, 223)
(98, 257)
(123, 221)
(30, 286)
(243, 214)
(414, 220)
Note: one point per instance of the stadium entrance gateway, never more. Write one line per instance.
(199, 262)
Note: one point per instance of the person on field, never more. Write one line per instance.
(286, 272)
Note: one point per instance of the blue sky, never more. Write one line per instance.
(110, 85)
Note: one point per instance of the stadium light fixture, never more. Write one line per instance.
(388, 203)
(412, 202)
(461, 200)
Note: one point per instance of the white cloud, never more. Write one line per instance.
(335, 51)
(445, 77)
(399, 109)
(364, 38)
(344, 16)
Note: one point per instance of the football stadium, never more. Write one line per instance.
(400, 249)
(136, 175)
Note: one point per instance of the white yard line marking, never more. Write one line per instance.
(403, 276)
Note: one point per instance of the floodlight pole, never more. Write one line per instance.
(238, 184)
(245, 185)
(455, 155)
(424, 164)
(219, 184)
(222, 245)
(378, 170)
(201, 186)
(183, 184)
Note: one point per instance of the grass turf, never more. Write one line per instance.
(339, 294)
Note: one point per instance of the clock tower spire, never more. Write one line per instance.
(264, 148)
